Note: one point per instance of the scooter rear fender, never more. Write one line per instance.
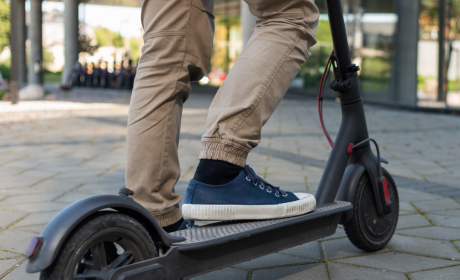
(60, 228)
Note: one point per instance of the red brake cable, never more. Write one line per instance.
(320, 99)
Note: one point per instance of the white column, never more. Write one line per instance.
(22, 68)
(71, 37)
(248, 22)
(36, 47)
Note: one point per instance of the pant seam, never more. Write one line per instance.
(164, 34)
(266, 85)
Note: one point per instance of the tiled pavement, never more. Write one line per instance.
(49, 163)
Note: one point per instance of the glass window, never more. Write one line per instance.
(371, 28)
(451, 66)
(428, 53)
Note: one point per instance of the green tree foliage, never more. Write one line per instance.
(134, 46)
(86, 45)
(323, 34)
(48, 58)
(106, 37)
(4, 24)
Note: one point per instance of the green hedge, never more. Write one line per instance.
(5, 70)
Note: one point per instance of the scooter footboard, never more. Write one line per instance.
(219, 245)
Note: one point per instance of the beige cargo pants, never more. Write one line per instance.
(178, 43)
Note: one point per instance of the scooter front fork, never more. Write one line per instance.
(362, 153)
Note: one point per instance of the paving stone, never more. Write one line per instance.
(342, 271)
(410, 221)
(6, 265)
(300, 272)
(8, 217)
(15, 241)
(71, 197)
(423, 246)
(449, 273)
(272, 260)
(20, 182)
(36, 229)
(406, 207)
(21, 199)
(436, 205)
(20, 273)
(36, 219)
(413, 195)
(39, 174)
(455, 213)
(36, 207)
(446, 221)
(309, 250)
(341, 248)
(8, 255)
(56, 185)
(226, 273)
(22, 191)
(102, 187)
(398, 262)
(435, 232)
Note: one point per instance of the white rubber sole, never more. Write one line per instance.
(199, 212)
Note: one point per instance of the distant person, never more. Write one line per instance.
(105, 75)
(96, 75)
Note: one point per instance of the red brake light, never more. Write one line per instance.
(386, 191)
(33, 247)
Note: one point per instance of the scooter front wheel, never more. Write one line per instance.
(105, 242)
(367, 230)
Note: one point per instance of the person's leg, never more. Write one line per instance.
(251, 92)
(259, 78)
(178, 41)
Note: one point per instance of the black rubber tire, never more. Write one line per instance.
(366, 230)
(67, 261)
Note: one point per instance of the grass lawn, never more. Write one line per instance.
(51, 77)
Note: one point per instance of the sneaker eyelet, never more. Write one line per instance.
(269, 191)
(285, 195)
(260, 186)
(255, 183)
(277, 195)
(247, 178)
(187, 226)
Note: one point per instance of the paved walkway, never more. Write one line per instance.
(52, 160)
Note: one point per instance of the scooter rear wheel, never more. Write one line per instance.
(366, 230)
(105, 242)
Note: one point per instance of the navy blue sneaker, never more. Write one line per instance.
(247, 197)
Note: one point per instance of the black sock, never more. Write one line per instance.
(174, 227)
(216, 172)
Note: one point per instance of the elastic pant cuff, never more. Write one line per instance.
(168, 216)
(220, 151)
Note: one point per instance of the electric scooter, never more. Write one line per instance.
(112, 237)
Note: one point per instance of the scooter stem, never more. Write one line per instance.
(353, 128)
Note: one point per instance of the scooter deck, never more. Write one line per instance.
(222, 231)
(222, 244)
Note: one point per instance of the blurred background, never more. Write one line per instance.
(408, 50)
(67, 71)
